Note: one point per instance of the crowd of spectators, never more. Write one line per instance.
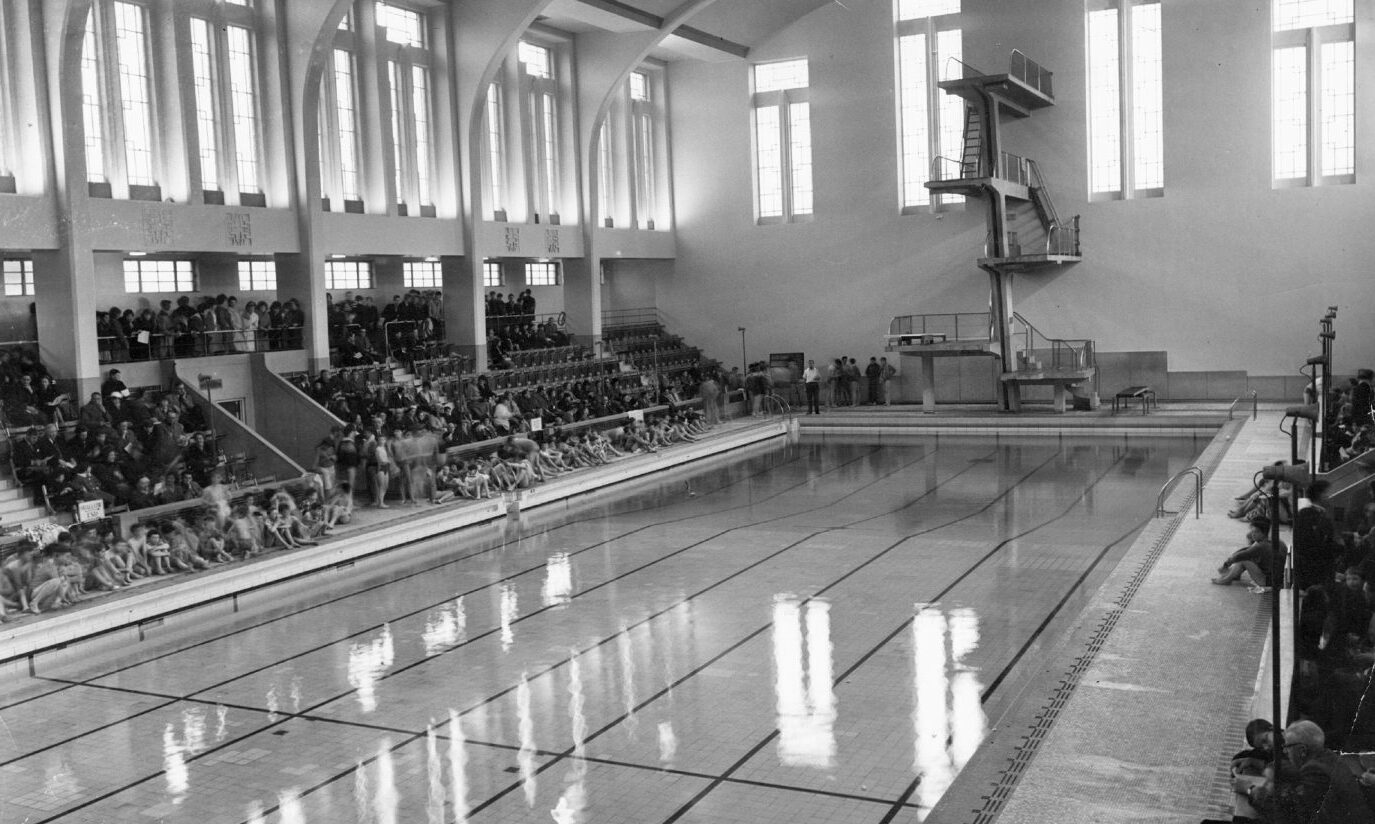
(361, 333)
(474, 410)
(417, 464)
(55, 567)
(127, 449)
(64, 566)
(206, 326)
(1334, 634)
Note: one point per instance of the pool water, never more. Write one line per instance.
(814, 631)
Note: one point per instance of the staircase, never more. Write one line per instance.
(17, 506)
(971, 155)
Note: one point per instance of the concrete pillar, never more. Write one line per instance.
(465, 312)
(582, 298)
(301, 275)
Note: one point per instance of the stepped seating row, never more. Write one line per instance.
(665, 360)
(617, 333)
(564, 373)
(449, 366)
(544, 357)
(639, 345)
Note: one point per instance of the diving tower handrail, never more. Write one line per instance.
(1063, 240)
(963, 170)
(955, 326)
(1062, 237)
(1198, 492)
(1030, 72)
(970, 71)
(1066, 353)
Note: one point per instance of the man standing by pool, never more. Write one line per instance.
(811, 380)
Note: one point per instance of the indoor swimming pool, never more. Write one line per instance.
(814, 631)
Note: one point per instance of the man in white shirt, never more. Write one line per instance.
(811, 379)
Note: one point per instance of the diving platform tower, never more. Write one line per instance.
(1005, 181)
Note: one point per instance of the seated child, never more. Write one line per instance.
(212, 542)
(1252, 559)
(159, 553)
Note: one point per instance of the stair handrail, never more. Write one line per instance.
(1198, 492)
(1038, 182)
(973, 72)
(965, 170)
(1078, 351)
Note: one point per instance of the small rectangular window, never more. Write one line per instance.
(639, 86)
(535, 59)
(348, 274)
(776, 77)
(421, 274)
(258, 275)
(404, 27)
(143, 276)
(18, 278)
(541, 274)
(917, 9)
(491, 275)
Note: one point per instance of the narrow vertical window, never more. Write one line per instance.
(496, 151)
(931, 123)
(207, 127)
(243, 106)
(1126, 99)
(646, 120)
(542, 122)
(606, 179)
(8, 88)
(1105, 96)
(408, 59)
(225, 88)
(92, 104)
(347, 124)
(783, 143)
(131, 47)
(1313, 92)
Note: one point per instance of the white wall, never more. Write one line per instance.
(1224, 272)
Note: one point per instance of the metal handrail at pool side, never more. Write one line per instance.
(1198, 492)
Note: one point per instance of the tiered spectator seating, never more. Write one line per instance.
(649, 348)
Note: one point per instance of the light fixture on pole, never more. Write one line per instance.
(744, 360)
(207, 384)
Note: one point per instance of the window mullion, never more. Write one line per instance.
(227, 156)
(785, 154)
(933, 108)
(1313, 52)
(1126, 115)
(116, 163)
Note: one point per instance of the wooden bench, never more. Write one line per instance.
(1145, 393)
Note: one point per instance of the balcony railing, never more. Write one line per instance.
(1031, 73)
(953, 326)
(145, 346)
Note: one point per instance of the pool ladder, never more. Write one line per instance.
(1198, 492)
(774, 405)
